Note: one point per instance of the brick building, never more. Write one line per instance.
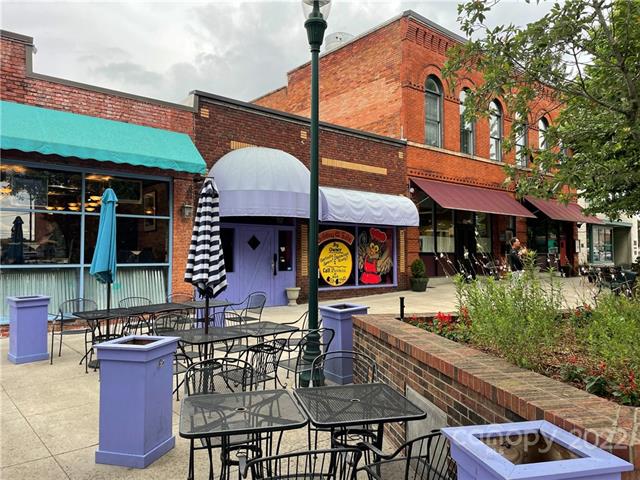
(64, 142)
(388, 81)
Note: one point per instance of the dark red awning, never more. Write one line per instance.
(472, 199)
(571, 212)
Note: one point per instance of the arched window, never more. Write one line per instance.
(467, 127)
(495, 131)
(433, 110)
(543, 126)
(522, 159)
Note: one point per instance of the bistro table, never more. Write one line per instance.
(251, 414)
(197, 337)
(342, 406)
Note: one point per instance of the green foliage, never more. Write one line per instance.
(418, 269)
(518, 318)
(613, 335)
(571, 372)
(583, 58)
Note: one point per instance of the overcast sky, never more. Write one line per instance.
(165, 49)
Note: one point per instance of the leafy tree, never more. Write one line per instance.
(583, 59)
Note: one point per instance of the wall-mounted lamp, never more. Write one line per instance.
(186, 210)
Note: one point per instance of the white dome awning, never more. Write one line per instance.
(262, 182)
(355, 206)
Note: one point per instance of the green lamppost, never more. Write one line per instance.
(316, 12)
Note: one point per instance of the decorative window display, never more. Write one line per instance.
(375, 256)
(336, 257)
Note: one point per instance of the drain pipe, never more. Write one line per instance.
(402, 308)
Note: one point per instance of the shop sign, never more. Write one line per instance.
(336, 263)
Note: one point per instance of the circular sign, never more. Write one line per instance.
(335, 263)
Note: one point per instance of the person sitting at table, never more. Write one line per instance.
(50, 240)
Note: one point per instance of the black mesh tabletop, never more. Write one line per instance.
(264, 329)
(125, 312)
(197, 304)
(239, 413)
(101, 314)
(348, 405)
(196, 336)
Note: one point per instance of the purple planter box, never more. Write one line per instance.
(338, 318)
(539, 450)
(28, 328)
(136, 385)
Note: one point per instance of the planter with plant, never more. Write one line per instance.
(419, 279)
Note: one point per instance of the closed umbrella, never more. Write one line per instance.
(103, 265)
(16, 245)
(205, 263)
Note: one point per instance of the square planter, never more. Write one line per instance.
(338, 318)
(28, 328)
(529, 451)
(136, 390)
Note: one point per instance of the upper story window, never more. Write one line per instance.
(467, 129)
(543, 126)
(495, 131)
(433, 110)
(521, 144)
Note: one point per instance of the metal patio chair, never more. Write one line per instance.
(423, 458)
(295, 346)
(335, 464)
(250, 309)
(65, 316)
(217, 376)
(264, 358)
(133, 323)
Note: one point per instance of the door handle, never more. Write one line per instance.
(274, 264)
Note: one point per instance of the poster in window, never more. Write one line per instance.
(336, 257)
(375, 256)
(149, 205)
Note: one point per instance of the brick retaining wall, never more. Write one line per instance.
(472, 387)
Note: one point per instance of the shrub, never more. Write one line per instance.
(518, 318)
(417, 268)
(613, 335)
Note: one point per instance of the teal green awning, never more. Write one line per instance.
(53, 132)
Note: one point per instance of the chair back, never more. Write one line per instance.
(134, 302)
(167, 322)
(67, 307)
(179, 298)
(423, 458)
(223, 375)
(264, 358)
(336, 464)
(323, 336)
(364, 368)
(255, 304)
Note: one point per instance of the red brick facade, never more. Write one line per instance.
(220, 124)
(385, 70)
(19, 84)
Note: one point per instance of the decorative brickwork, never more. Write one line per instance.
(476, 388)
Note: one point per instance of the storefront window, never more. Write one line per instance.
(427, 226)
(227, 238)
(337, 256)
(28, 237)
(445, 241)
(41, 216)
(375, 256)
(483, 232)
(602, 244)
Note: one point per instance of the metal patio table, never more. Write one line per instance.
(342, 406)
(252, 414)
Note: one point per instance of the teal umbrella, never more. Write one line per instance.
(103, 265)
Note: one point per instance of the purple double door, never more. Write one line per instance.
(259, 258)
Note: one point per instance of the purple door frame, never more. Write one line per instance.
(253, 269)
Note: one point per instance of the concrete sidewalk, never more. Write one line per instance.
(49, 414)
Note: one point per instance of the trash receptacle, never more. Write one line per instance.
(28, 328)
(529, 451)
(136, 390)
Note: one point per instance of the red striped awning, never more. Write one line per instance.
(570, 212)
(472, 199)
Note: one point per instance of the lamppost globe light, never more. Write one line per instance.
(324, 7)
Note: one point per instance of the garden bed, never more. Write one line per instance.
(593, 348)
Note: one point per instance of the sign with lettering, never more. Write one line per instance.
(335, 263)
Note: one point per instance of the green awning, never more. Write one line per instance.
(53, 132)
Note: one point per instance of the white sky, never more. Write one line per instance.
(165, 49)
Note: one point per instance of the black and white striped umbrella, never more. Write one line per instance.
(205, 263)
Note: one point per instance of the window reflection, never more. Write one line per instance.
(135, 196)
